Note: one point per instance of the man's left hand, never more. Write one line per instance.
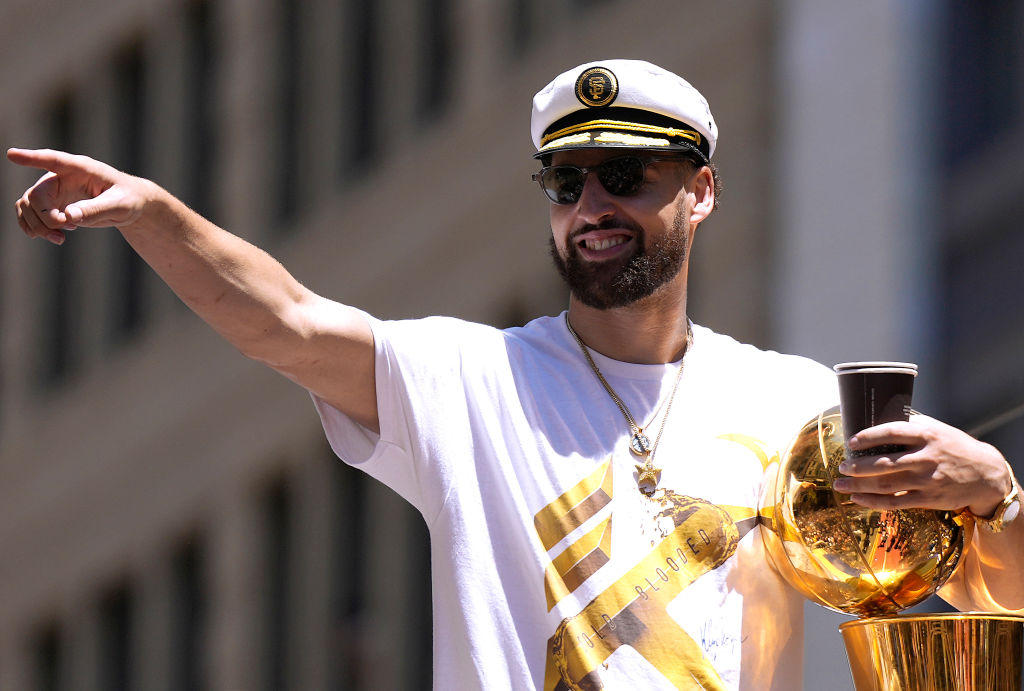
(941, 468)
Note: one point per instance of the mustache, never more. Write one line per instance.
(609, 224)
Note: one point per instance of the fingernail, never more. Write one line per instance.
(56, 237)
(844, 468)
(841, 485)
(853, 442)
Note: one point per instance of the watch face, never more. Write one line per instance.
(1007, 511)
(1012, 510)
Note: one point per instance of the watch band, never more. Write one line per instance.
(1007, 511)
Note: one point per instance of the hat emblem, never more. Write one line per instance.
(597, 86)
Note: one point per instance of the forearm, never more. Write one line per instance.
(240, 290)
(990, 578)
(998, 550)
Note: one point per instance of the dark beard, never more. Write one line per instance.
(621, 283)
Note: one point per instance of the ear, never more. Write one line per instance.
(702, 187)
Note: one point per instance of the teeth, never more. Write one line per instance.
(604, 244)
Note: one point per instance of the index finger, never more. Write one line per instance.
(888, 433)
(45, 159)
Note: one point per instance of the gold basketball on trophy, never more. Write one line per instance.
(850, 558)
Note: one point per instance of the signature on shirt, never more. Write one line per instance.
(718, 643)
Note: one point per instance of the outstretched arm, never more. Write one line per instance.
(946, 469)
(239, 289)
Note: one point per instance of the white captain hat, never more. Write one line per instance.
(622, 103)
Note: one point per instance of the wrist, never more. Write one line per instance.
(996, 480)
(997, 517)
(152, 208)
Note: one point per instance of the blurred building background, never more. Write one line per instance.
(170, 515)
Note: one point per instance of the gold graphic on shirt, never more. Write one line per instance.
(581, 559)
(739, 515)
(696, 537)
(578, 562)
(760, 450)
(575, 507)
(633, 612)
(754, 445)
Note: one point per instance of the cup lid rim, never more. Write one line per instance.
(874, 366)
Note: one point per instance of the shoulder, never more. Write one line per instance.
(760, 393)
(542, 343)
(443, 332)
(741, 365)
(714, 346)
(449, 342)
(537, 333)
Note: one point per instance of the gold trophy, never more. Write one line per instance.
(874, 563)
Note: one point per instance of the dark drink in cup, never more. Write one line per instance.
(871, 393)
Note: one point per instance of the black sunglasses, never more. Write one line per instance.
(621, 176)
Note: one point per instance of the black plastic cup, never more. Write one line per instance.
(872, 393)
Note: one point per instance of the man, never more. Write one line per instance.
(590, 480)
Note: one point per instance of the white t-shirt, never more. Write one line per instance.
(550, 569)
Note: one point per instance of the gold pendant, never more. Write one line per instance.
(647, 478)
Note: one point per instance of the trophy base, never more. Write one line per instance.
(936, 652)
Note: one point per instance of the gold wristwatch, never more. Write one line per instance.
(1007, 511)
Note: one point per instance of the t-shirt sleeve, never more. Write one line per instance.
(421, 396)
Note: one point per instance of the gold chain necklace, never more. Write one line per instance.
(639, 443)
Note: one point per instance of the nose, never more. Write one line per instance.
(595, 202)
